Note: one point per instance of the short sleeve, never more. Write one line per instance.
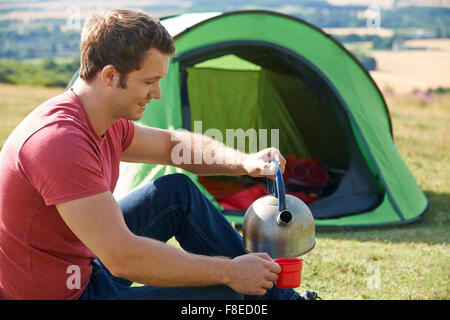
(62, 164)
(127, 132)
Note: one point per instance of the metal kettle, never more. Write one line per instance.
(279, 224)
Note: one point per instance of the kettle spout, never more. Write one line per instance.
(284, 218)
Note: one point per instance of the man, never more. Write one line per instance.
(63, 235)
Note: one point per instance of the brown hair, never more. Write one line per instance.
(120, 38)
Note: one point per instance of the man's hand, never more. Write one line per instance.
(253, 273)
(258, 164)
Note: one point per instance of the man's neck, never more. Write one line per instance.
(95, 105)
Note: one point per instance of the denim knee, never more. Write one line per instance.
(174, 180)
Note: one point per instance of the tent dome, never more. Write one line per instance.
(266, 70)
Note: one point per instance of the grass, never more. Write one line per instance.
(17, 101)
(406, 262)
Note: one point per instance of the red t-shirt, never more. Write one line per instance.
(53, 156)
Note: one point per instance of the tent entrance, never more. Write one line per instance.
(273, 98)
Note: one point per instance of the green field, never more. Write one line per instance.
(407, 262)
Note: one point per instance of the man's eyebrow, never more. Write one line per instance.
(152, 78)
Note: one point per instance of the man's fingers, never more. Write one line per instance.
(261, 292)
(263, 255)
(268, 169)
(273, 266)
(268, 284)
(274, 154)
(259, 164)
(273, 277)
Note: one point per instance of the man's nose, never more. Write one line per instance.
(155, 93)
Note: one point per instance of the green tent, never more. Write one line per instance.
(265, 70)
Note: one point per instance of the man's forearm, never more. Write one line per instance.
(201, 154)
(155, 263)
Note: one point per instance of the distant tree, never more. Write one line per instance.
(48, 64)
(369, 63)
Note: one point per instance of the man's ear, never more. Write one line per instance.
(109, 75)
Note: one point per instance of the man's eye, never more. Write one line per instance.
(150, 82)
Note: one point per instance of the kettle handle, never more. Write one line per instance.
(278, 189)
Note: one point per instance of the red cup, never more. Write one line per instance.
(290, 275)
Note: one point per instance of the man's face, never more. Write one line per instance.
(142, 86)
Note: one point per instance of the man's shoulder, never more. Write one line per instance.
(55, 119)
(55, 133)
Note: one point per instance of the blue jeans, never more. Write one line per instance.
(170, 206)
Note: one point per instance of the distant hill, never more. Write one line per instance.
(35, 29)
